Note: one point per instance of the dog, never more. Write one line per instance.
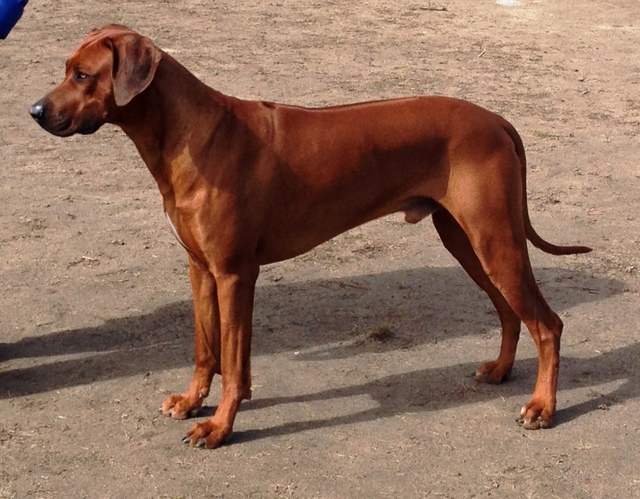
(249, 183)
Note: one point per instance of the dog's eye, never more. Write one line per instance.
(80, 76)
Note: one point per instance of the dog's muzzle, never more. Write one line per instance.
(61, 125)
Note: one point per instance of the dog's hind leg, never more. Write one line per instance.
(457, 242)
(486, 200)
(507, 264)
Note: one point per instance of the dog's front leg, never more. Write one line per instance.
(235, 298)
(207, 344)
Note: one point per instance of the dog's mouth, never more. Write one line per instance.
(65, 128)
(59, 125)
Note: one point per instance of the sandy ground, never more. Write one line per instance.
(96, 317)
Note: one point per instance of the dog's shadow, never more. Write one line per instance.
(319, 318)
(442, 388)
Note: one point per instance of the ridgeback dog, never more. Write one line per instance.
(250, 183)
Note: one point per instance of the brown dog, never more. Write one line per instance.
(249, 183)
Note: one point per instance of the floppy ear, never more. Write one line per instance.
(135, 60)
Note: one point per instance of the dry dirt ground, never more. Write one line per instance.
(96, 315)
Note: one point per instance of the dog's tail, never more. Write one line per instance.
(530, 232)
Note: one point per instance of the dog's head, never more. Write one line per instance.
(112, 66)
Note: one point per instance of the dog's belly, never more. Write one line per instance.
(287, 242)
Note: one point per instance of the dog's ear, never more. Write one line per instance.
(135, 60)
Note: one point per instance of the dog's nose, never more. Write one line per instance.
(37, 111)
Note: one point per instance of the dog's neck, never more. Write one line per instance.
(150, 118)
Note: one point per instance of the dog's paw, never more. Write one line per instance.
(206, 435)
(493, 373)
(534, 417)
(181, 406)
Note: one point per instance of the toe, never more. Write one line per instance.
(492, 372)
(534, 417)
